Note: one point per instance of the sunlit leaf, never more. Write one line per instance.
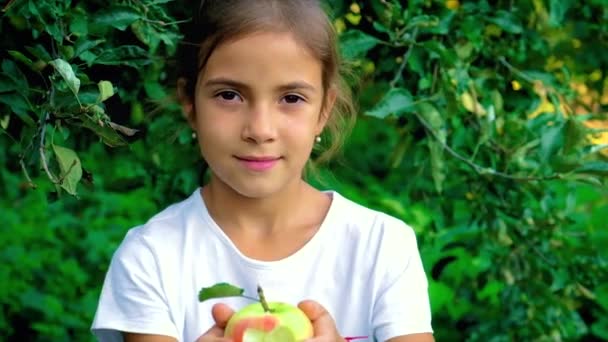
(67, 73)
(70, 167)
(106, 90)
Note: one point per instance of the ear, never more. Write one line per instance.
(328, 106)
(186, 101)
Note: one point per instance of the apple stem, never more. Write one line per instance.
(250, 298)
(263, 299)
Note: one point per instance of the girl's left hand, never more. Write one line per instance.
(323, 324)
(221, 314)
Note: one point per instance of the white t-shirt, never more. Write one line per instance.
(363, 266)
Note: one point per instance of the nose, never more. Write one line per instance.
(260, 125)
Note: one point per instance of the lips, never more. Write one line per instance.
(258, 163)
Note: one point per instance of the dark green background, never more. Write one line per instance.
(473, 128)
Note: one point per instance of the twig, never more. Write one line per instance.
(41, 149)
(406, 56)
(27, 176)
(8, 5)
(480, 169)
(434, 83)
(513, 69)
(162, 23)
(60, 180)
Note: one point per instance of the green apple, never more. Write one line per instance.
(282, 322)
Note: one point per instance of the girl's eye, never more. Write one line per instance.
(292, 99)
(228, 95)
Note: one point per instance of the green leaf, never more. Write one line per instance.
(6, 84)
(423, 20)
(79, 25)
(507, 21)
(600, 328)
(431, 115)
(396, 102)
(85, 44)
(355, 44)
(219, 290)
(147, 34)
(106, 90)
(19, 106)
(21, 58)
(129, 55)
(601, 293)
(551, 141)
(438, 169)
(598, 167)
(109, 136)
(438, 50)
(10, 69)
(441, 296)
(154, 90)
(119, 17)
(70, 167)
(65, 70)
(576, 134)
(558, 9)
(39, 52)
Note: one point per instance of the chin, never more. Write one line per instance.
(257, 191)
(253, 187)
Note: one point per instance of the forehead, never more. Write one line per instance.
(263, 58)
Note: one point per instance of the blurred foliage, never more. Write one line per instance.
(483, 125)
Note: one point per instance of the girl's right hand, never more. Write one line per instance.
(323, 324)
(221, 314)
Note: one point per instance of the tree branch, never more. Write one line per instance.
(406, 56)
(41, 150)
(27, 176)
(478, 168)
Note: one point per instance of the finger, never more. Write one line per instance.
(322, 322)
(215, 334)
(221, 314)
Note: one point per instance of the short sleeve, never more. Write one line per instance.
(402, 306)
(132, 298)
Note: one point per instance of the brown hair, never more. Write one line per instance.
(217, 21)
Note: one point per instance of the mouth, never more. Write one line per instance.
(258, 163)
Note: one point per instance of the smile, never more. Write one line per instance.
(258, 163)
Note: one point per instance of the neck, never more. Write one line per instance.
(266, 216)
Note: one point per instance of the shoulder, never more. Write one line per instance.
(359, 217)
(371, 225)
(167, 228)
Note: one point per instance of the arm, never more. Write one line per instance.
(129, 337)
(132, 298)
(402, 308)
(425, 337)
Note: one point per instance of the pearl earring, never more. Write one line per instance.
(318, 139)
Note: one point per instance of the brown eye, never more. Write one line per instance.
(292, 99)
(228, 95)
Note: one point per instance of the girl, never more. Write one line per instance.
(260, 87)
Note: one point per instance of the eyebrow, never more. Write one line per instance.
(223, 81)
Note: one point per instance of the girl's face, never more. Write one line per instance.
(258, 107)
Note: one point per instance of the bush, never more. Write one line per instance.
(481, 126)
